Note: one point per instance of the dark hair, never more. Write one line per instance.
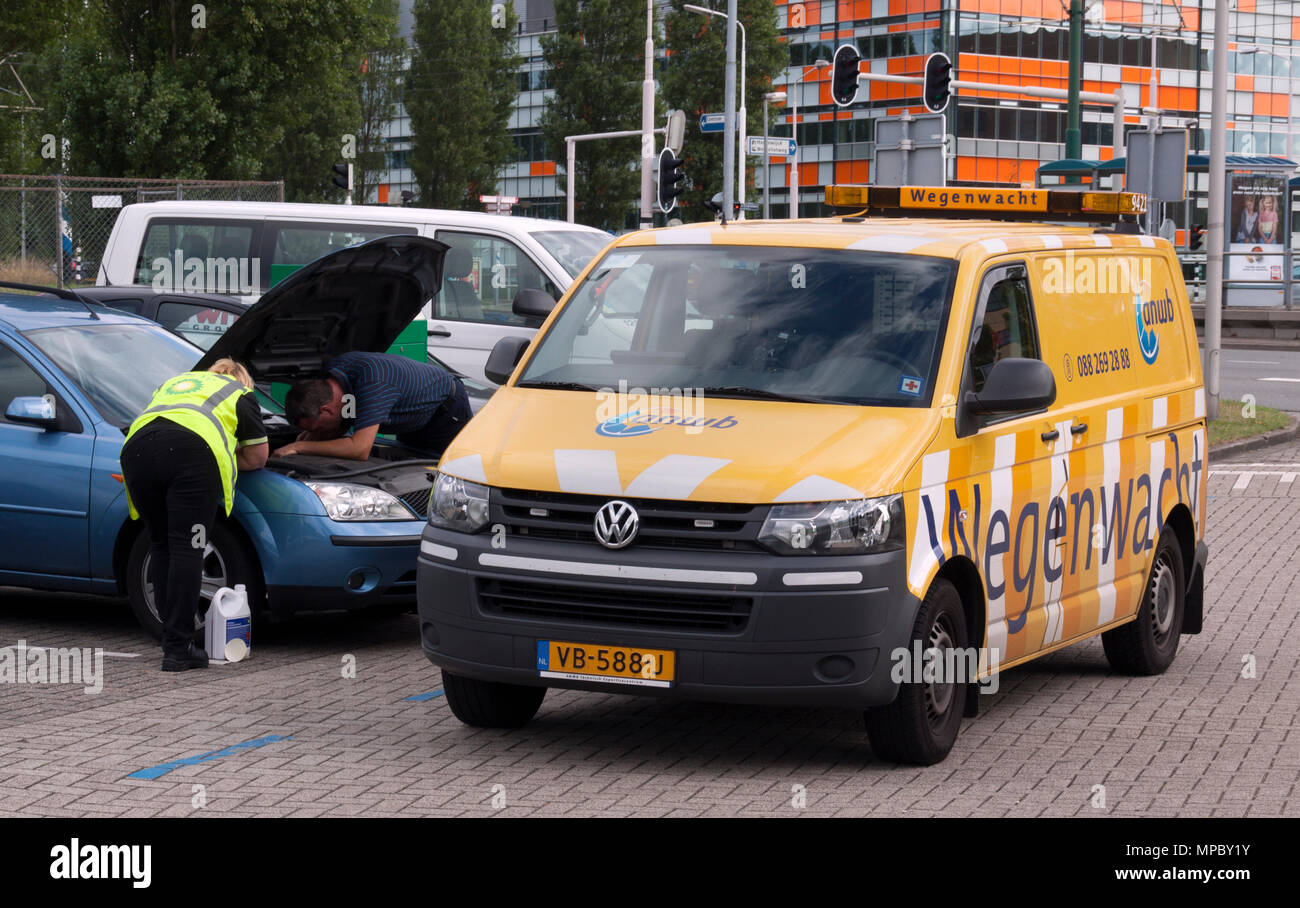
(305, 399)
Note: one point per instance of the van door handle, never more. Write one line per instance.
(1052, 435)
(1079, 428)
(439, 331)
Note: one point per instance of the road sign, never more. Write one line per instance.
(910, 151)
(1170, 164)
(713, 122)
(770, 146)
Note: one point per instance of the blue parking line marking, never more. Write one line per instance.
(154, 772)
(420, 698)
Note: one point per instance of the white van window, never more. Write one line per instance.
(573, 249)
(481, 276)
(195, 238)
(298, 244)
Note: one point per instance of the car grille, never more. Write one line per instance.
(418, 501)
(613, 607)
(689, 525)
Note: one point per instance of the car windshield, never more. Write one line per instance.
(117, 366)
(768, 323)
(573, 249)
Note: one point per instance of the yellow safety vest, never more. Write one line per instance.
(204, 403)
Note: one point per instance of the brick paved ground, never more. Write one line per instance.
(1199, 740)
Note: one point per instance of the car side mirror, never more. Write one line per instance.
(1014, 385)
(32, 411)
(506, 355)
(537, 303)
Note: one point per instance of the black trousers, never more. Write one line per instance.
(175, 484)
(445, 424)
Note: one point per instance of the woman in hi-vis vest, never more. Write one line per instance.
(179, 463)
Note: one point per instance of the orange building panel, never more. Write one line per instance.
(1269, 105)
(1245, 83)
(383, 194)
(808, 174)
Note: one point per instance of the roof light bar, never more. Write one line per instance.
(993, 202)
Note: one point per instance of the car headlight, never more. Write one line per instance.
(458, 504)
(854, 527)
(348, 501)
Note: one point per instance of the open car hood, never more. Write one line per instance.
(359, 298)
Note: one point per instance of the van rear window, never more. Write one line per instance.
(224, 250)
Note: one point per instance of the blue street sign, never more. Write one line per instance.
(713, 122)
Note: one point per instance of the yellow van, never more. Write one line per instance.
(866, 461)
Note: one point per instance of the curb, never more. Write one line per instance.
(1277, 436)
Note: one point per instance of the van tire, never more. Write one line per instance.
(921, 725)
(1148, 645)
(491, 704)
(236, 564)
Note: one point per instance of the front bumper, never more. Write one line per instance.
(801, 631)
(318, 564)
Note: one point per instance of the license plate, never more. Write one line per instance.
(613, 664)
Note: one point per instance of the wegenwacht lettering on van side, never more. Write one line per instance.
(1121, 522)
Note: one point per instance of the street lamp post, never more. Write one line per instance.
(742, 114)
(775, 97)
(792, 89)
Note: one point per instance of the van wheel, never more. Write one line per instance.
(920, 726)
(491, 704)
(226, 562)
(1147, 646)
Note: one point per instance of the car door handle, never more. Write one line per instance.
(1079, 428)
(1052, 435)
(439, 332)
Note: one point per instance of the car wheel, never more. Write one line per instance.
(1147, 646)
(491, 704)
(920, 726)
(226, 562)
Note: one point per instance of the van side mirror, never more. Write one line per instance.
(1014, 385)
(32, 411)
(536, 303)
(506, 355)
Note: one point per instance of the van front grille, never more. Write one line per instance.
(613, 607)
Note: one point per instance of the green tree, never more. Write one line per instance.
(27, 28)
(693, 81)
(597, 62)
(458, 94)
(264, 89)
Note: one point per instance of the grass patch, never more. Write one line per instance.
(1232, 426)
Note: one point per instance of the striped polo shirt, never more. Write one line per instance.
(395, 393)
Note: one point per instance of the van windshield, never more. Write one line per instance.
(573, 249)
(823, 325)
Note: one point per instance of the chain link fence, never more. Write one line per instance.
(53, 229)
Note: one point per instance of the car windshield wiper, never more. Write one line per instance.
(764, 394)
(556, 385)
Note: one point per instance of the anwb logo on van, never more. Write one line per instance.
(1149, 314)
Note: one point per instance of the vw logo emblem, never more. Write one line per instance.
(616, 524)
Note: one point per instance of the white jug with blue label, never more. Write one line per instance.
(229, 631)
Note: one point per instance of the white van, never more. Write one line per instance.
(244, 248)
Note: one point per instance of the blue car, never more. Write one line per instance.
(307, 533)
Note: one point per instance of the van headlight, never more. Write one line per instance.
(854, 527)
(458, 504)
(349, 501)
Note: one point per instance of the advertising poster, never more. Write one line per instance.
(1256, 226)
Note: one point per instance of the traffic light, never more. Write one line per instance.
(670, 174)
(343, 176)
(1196, 239)
(407, 198)
(938, 77)
(844, 76)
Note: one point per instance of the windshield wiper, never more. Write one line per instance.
(556, 385)
(764, 394)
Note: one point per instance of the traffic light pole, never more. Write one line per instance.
(570, 157)
(647, 123)
(1214, 234)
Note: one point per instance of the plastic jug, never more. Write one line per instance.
(229, 629)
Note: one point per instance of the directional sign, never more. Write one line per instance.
(770, 146)
(713, 122)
